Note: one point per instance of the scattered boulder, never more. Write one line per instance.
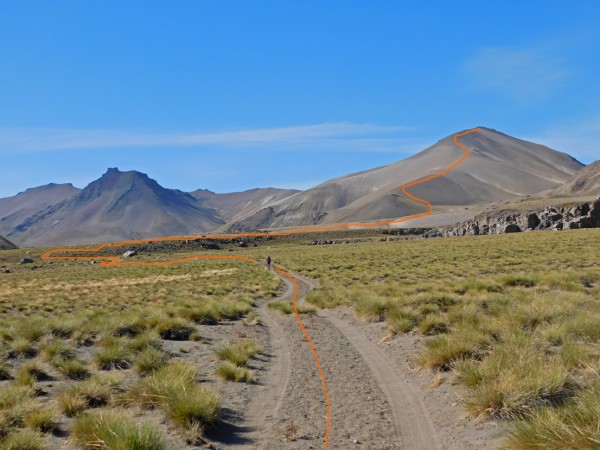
(129, 253)
(533, 221)
(5, 270)
(512, 228)
(26, 261)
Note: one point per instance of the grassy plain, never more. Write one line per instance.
(84, 349)
(515, 318)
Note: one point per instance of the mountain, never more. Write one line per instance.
(584, 182)
(5, 244)
(130, 205)
(15, 210)
(238, 205)
(117, 206)
(498, 167)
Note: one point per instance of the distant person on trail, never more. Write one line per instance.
(269, 262)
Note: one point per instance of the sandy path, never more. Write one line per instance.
(265, 404)
(411, 420)
(413, 426)
(378, 400)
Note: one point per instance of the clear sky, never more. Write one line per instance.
(230, 95)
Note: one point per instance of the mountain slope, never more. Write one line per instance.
(117, 206)
(14, 210)
(238, 205)
(584, 182)
(5, 244)
(498, 167)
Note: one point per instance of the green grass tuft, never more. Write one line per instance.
(115, 430)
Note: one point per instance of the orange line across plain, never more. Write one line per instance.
(116, 261)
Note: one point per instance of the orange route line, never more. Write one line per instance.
(116, 261)
(314, 351)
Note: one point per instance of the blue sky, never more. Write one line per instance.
(231, 95)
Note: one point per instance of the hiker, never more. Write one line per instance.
(269, 262)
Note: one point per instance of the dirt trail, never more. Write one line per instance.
(372, 404)
(411, 419)
(265, 404)
(412, 424)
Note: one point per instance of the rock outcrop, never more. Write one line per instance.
(582, 215)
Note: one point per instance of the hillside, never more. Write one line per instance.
(584, 182)
(118, 206)
(238, 205)
(130, 205)
(499, 167)
(15, 210)
(5, 244)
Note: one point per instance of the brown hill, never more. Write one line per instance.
(499, 167)
(5, 244)
(15, 210)
(238, 205)
(117, 206)
(584, 182)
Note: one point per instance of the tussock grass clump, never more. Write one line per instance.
(22, 348)
(63, 328)
(196, 406)
(42, 419)
(441, 351)
(146, 340)
(516, 280)
(30, 372)
(57, 348)
(401, 319)
(14, 415)
(175, 329)
(512, 384)
(32, 330)
(231, 372)
(572, 426)
(282, 307)
(239, 353)
(174, 389)
(73, 369)
(115, 430)
(205, 314)
(149, 360)
(95, 392)
(433, 324)
(130, 326)
(371, 307)
(23, 439)
(328, 297)
(115, 355)
(152, 390)
(12, 394)
(234, 310)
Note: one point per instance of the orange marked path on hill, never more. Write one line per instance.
(75, 254)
